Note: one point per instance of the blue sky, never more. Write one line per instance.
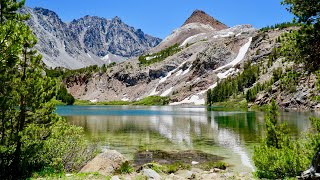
(160, 17)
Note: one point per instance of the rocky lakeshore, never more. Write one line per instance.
(113, 165)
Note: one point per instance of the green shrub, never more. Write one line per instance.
(274, 163)
(153, 100)
(278, 155)
(277, 74)
(125, 168)
(65, 147)
(154, 166)
(210, 165)
(176, 166)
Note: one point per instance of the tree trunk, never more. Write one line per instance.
(21, 122)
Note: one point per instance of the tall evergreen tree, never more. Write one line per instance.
(307, 40)
(25, 92)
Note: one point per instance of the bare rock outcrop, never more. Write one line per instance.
(199, 16)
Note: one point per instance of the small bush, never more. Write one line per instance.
(278, 155)
(154, 166)
(176, 166)
(210, 165)
(125, 168)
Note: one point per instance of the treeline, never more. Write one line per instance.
(159, 56)
(233, 85)
(280, 26)
(64, 96)
(64, 73)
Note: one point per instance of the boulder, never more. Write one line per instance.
(186, 174)
(151, 174)
(115, 178)
(105, 163)
(174, 177)
(314, 171)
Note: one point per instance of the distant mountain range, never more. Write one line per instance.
(90, 40)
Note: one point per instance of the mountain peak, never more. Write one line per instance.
(117, 19)
(199, 16)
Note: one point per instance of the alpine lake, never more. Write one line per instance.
(200, 134)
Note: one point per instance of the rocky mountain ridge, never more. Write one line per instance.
(86, 41)
(195, 67)
(206, 57)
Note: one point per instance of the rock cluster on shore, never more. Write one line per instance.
(108, 163)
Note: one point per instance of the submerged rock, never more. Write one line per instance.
(105, 163)
(164, 157)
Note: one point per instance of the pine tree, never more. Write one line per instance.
(306, 40)
(25, 92)
(8, 10)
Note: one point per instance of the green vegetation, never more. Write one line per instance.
(148, 101)
(159, 56)
(32, 137)
(64, 73)
(303, 45)
(153, 100)
(210, 165)
(230, 105)
(232, 86)
(289, 81)
(78, 176)
(64, 96)
(280, 26)
(154, 166)
(174, 167)
(125, 168)
(279, 155)
(252, 92)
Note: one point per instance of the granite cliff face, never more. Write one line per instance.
(87, 41)
(101, 36)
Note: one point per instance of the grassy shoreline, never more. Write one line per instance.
(148, 101)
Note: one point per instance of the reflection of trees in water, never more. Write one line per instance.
(190, 128)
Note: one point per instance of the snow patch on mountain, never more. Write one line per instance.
(198, 99)
(167, 92)
(191, 38)
(242, 52)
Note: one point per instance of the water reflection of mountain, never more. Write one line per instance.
(186, 127)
